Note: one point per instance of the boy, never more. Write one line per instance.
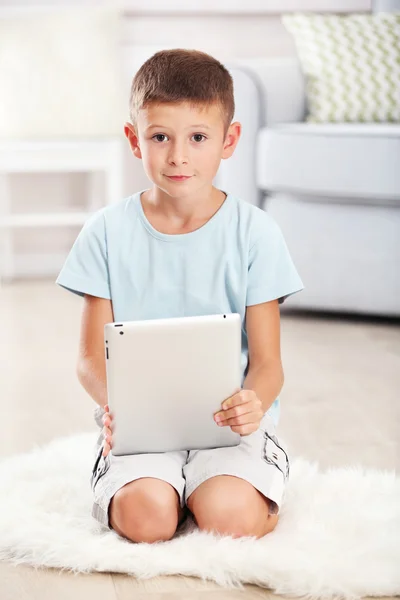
(185, 248)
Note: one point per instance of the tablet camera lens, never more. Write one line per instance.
(121, 333)
(224, 316)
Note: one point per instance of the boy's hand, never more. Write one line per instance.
(242, 412)
(107, 433)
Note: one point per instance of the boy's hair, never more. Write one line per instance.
(181, 75)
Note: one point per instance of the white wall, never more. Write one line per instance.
(225, 29)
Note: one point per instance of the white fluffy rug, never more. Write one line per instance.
(338, 535)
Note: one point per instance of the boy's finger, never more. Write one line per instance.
(228, 401)
(106, 432)
(250, 418)
(106, 420)
(236, 411)
(240, 397)
(245, 429)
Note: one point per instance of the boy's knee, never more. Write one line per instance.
(226, 520)
(236, 524)
(145, 511)
(234, 515)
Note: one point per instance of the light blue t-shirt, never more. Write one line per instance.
(237, 259)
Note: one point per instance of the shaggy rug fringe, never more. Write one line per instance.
(338, 535)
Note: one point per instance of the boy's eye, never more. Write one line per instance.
(158, 136)
(198, 135)
(161, 137)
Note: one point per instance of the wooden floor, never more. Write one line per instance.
(340, 405)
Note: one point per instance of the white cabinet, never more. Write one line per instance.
(69, 156)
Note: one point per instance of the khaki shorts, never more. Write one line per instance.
(260, 458)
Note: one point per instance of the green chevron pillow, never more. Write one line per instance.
(351, 64)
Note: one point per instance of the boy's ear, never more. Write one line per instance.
(133, 139)
(231, 139)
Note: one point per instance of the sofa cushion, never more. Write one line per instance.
(352, 161)
(348, 255)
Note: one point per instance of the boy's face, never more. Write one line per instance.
(181, 140)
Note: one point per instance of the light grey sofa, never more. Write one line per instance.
(334, 190)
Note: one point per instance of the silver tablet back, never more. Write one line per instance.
(167, 377)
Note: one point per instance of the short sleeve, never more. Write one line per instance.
(271, 272)
(85, 270)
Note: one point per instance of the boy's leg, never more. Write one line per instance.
(145, 510)
(231, 506)
(238, 490)
(142, 494)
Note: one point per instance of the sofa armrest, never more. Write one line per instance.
(267, 91)
(282, 88)
(238, 173)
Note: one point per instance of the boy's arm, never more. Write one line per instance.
(265, 375)
(91, 367)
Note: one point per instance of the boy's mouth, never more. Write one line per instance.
(178, 177)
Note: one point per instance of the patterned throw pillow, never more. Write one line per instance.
(351, 64)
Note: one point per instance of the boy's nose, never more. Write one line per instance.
(178, 155)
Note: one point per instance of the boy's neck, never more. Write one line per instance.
(180, 215)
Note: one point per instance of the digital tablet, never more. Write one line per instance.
(166, 378)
